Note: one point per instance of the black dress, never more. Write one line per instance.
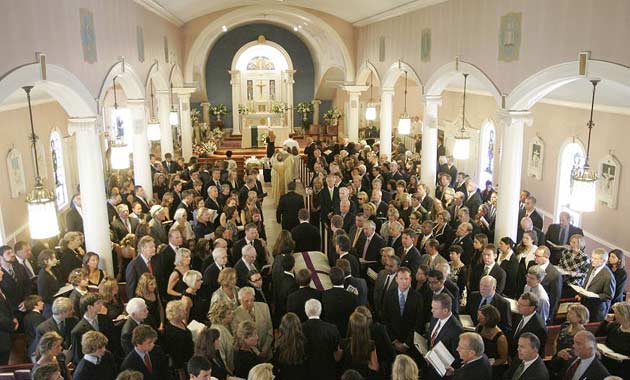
(271, 147)
(621, 277)
(284, 371)
(178, 344)
(153, 318)
(348, 362)
(199, 308)
(180, 286)
(492, 352)
(47, 286)
(243, 362)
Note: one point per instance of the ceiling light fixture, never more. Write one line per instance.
(153, 126)
(224, 28)
(40, 202)
(404, 123)
(461, 149)
(583, 191)
(370, 110)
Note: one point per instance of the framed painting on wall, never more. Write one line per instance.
(536, 158)
(608, 183)
(15, 167)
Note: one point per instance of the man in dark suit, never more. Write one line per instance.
(284, 286)
(526, 224)
(169, 165)
(530, 211)
(475, 364)
(287, 205)
(338, 303)
(322, 342)
(328, 198)
(74, 220)
(187, 203)
(211, 274)
(297, 299)
(15, 283)
(370, 244)
(212, 202)
(463, 238)
(436, 280)
(137, 310)
(559, 234)
(402, 311)
(490, 268)
(245, 264)
(395, 236)
(552, 282)
(353, 284)
(381, 206)
(453, 209)
(306, 235)
(61, 322)
(425, 199)
(140, 197)
(123, 225)
(528, 321)
(145, 262)
(114, 199)
(97, 363)
(346, 214)
(584, 363)
(8, 324)
(91, 305)
(166, 260)
(487, 295)
(251, 238)
(409, 255)
(599, 280)
(445, 328)
(146, 357)
(473, 200)
(342, 249)
(529, 365)
(385, 280)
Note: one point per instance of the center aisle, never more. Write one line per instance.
(272, 227)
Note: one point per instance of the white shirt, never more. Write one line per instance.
(528, 363)
(440, 323)
(507, 258)
(27, 264)
(525, 321)
(593, 274)
(92, 359)
(584, 364)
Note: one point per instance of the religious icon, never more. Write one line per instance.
(425, 49)
(140, 43)
(608, 184)
(510, 37)
(250, 90)
(272, 89)
(260, 86)
(88, 35)
(15, 167)
(490, 152)
(536, 157)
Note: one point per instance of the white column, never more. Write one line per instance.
(92, 181)
(183, 95)
(430, 140)
(352, 127)
(387, 97)
(141, 148)
(316, 104)
(166, 132)
(205, 112)
(290, 83)
(235, 81)
(513, 123)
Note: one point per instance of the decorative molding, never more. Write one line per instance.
(18, 105)
(159, 10)
(396, 11)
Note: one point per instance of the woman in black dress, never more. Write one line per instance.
(71, 255)
(47, 282)
(198, 306)
(289, 357)
(270, 140)
(384, 348)
(245, 352)
(177, 339)
(617, 264)
(508, 262)
(494, 340)
(147, 290)
(176, 286)
(90, 264)
(207, 345)
(617, 332)
(359, 350)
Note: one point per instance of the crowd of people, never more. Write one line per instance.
(197, 292)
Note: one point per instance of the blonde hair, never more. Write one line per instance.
(581, 311)
(219, 310)
(181, 254)
(261, 372)
(175, 309)
(404, 368)
(106, 289)
(244, 330)
(191, 277)
(92, 341)
(226, 275)
(142, 289)
(623, 308)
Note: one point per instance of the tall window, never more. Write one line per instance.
(58, 169)
(488, 150)
(571, 158)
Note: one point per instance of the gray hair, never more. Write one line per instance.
(370, 224)
(191, 277)
(601, 252)
(475, 342)
(218, 251)
(179, 213)
(537, 271)
(589, 338)
(135, 305)
(245, 290)
(313, 308)
(245, 250)
(489, 279)
(396, 225)
(61, 305)
(444, 268)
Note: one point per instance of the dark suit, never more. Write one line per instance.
(380, 291)
(536, 218)
(535, 326)
(449, 336)
(107, 369)
(171, 166)
(374, 248)
(337, 306)
(327, 203)
(473, 202)
(51, 325)
(165, 266)
(322, 340)
(553, 235)
(540, 236)
(189, 210)
(287, 210)
(74, 220)
(31, 320)
(104, 325)
(125, 335)
(120, 229)
(6, 329)
(16, 289)
(284, 286)
(467, 245)
(159, 364)
(474, 302)
(242, 273)
(297, 300)
(402, 327)
(355, 265)
(361, 287)
(497, 272)
(348, 221)
(510, 267)
(306, 237)
(237, 252)
(381, 210)
(136, 268)
(553, 285)
(478, 369)
(595, 371)
(412, 260)
(536, 371)
(143, 203)
(210, 279)
(604, 285)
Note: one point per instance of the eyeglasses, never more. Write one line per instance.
(256, 279)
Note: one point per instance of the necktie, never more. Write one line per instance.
(519, 327)
(401, 301)
(365, 247)
(388, 281)
(484, 302)
(356, 236)
(436, 330)
(62, 328)
(590, 279)
(150, 266)
(147, 362)
(389, 241)
(11, 271)
(562, 236)
(519, 371)
(29, 269)
(568, 375)
(98, 360)
(486, 270)
(95, 323)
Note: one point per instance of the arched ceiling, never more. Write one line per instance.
(359, 12)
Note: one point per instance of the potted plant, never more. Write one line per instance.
(304, 108)
(242, 110)
(219, 110)
(332, 116)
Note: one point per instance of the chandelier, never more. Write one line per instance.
(584, 186)
(370, 111)
(40, 202)
(404, 123)
(461, 149)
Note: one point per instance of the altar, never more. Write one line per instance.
(252, 135)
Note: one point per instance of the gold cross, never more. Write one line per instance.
(261, 85)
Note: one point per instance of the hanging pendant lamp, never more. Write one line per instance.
(370, 110)
(119, 151)
(153, 126)
(404, 123)
(40, 202)
(584, 186)
(173, 116)
(461, 148)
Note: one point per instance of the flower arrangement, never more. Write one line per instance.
(219, 110)
(242, 110)
(303, 108)
(263, 137)
(253, 162)
(204, 149)
(332, 114)
(279, 107)
(194, 116)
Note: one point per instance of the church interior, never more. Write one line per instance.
(411, 136)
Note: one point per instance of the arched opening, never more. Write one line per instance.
(369, 76)
(571, 158)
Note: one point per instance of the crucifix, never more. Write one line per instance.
(260, 86)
